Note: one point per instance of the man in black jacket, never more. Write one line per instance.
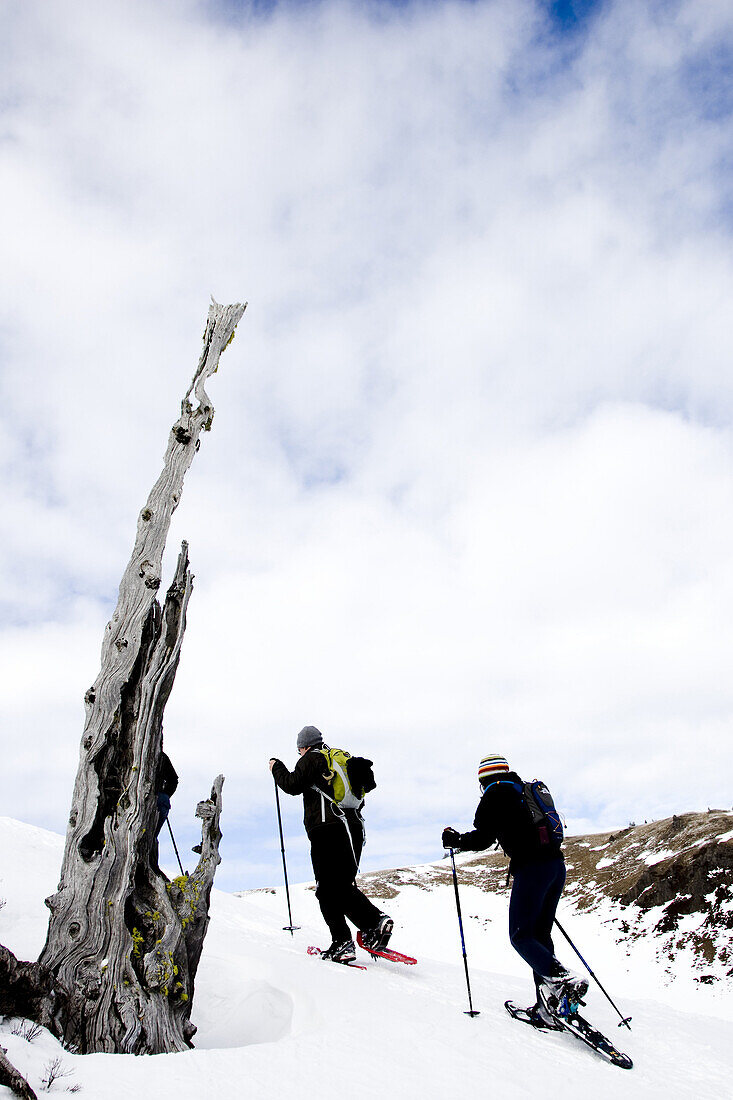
(337, 838)
(538, 869)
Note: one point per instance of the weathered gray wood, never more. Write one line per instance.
(189, 894)
(122, 943)
(14, 1080)
(28, 990)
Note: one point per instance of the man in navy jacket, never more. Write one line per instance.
(538, 869)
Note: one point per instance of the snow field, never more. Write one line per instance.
(274, 1021)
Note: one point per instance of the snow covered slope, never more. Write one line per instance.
(653, 900)
(274, 1022)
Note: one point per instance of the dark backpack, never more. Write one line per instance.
(361, 775)
(537, 800)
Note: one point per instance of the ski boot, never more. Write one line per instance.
(561, 996)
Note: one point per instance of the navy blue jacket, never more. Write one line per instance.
(502, 816)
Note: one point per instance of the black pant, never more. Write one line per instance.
(335, 854)
(535, 894)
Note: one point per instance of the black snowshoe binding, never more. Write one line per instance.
(377, 938)
(343, 952)
(539, 1017)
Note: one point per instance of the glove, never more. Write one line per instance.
(451, 839)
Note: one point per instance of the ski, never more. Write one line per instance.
(578, 1026)
(319, 951)
(386, 953)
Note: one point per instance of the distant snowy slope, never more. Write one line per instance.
(274, 1022)
(29, 872)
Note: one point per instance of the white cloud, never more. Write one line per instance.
(468, 480)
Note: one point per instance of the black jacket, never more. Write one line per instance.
(310, 770)
(166, 780)
(501, 816)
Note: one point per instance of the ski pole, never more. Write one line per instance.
(471, 1010)
(289, 927)
(624, 1019)
(175, 848)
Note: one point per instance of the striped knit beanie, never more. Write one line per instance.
(491, 767)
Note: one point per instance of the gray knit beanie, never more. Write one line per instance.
(309, 736)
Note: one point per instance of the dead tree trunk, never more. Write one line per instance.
(123, 944)
(14, 1080)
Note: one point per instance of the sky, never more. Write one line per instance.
(468, 485)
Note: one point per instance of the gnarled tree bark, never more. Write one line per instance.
(123, 944)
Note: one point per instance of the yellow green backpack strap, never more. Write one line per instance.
(327, 752)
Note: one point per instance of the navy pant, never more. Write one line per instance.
(164, 808)
(535, 894)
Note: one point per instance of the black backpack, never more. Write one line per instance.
(538, 802)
